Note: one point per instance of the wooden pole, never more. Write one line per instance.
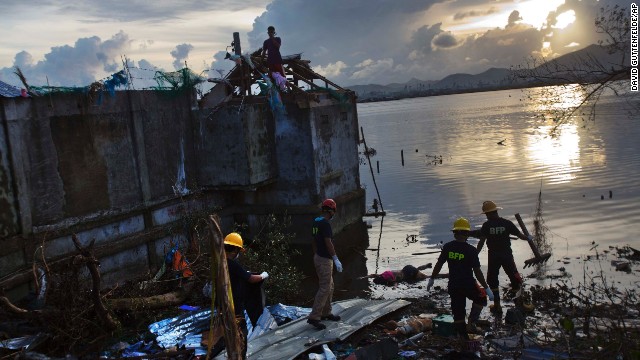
(222, 288)
(366, 151)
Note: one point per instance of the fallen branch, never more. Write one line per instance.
(152, 302)
(9, 306)
(91, 262)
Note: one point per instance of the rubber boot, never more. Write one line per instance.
(496, 308)
(461, 329)
(474, 315)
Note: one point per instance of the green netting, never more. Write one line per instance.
(167, 82)
(109, 84)
(342, 96)
(177, 80)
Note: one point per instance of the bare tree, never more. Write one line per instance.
(580, 80)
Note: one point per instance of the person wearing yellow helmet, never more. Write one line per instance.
(496, 232)
(240, 279)
(463, 262)
(324, 258)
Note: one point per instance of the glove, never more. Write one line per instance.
(337, 262)
(264, 275)
(530, 237)
(489, 293)
(430, 284)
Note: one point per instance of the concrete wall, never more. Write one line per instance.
(126, 170)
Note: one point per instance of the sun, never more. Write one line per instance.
(535, 12)
(565, 19)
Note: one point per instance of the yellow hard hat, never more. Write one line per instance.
(461, 224)
(489, 206)
(234, 239)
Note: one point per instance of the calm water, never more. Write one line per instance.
(572, 170)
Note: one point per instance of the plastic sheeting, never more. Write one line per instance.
(286, 313)
(181, 330)
(23, 342)
(186, 329)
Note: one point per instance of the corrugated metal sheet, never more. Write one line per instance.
(7, 90)
(294, 338)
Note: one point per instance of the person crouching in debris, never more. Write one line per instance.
(239, 278)
(408, 273)
(496, 231)
(463, 262)
(324, 258)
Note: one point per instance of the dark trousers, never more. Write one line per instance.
(459, 296)
(497, 260)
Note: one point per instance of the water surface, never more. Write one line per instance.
(575, 172)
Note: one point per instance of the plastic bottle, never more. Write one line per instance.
(328, 354)
(415, 325)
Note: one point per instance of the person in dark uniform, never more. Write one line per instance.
(240, 279)
(324, 258)
(495, 231)
(463, 262)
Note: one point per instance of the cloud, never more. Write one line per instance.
(352, 42)
(351, 32)
(74, 65)
(129, 10)
(474, 13)
(180, 53)
(389, 42)
(514, 17)
(444, 40)
(331, 70)
(372, 69)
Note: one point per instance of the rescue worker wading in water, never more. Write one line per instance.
(463, 262)
(496, 231)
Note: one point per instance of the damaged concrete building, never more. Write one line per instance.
(124, 169)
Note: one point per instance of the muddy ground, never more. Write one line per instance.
(591, 320)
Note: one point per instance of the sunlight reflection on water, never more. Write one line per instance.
(558, 156)
(493, 146)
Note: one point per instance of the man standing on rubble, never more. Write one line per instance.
(463, 262)
(324, 258)
(239, 278)
(496, 231)
(271, 46)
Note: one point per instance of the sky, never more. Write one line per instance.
(352, 42)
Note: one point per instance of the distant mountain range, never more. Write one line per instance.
(558, 70)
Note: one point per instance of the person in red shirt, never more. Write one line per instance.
(271, 47)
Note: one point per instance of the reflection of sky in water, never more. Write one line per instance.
(573, 170)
